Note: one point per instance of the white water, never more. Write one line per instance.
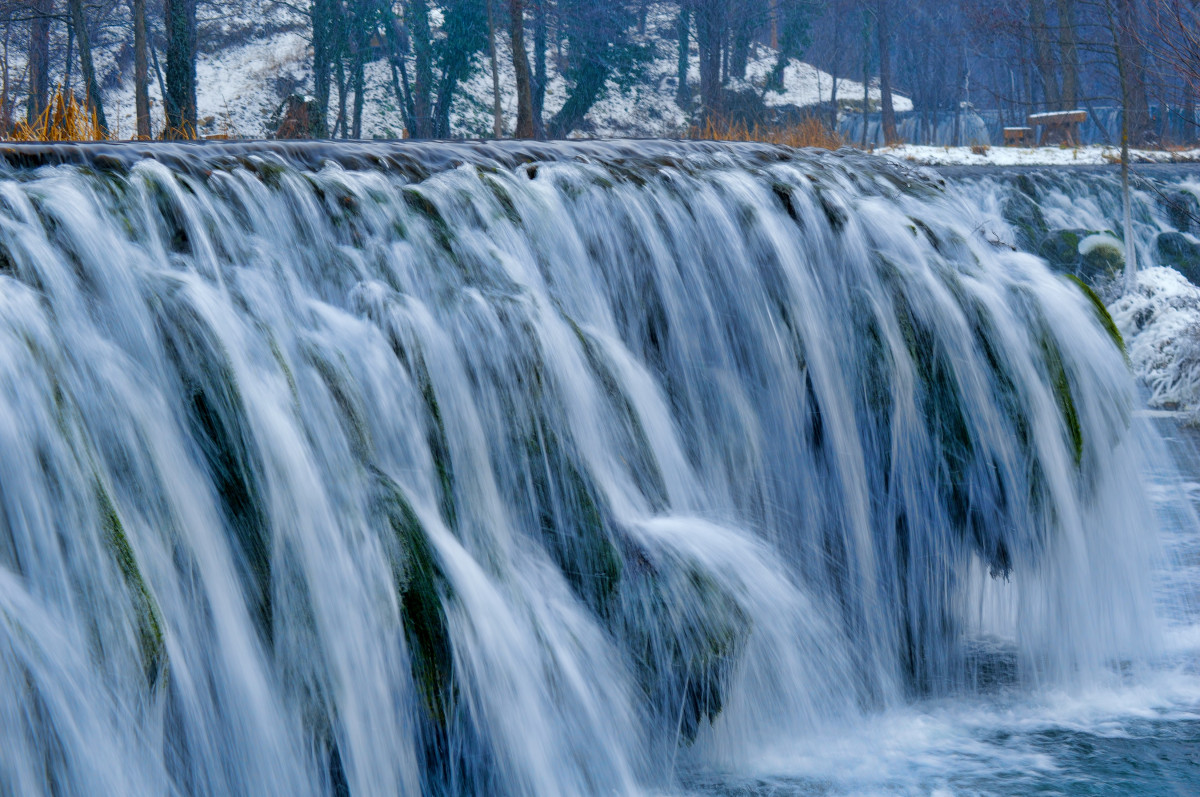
(599, 475)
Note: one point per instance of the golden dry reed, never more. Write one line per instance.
(809, 133)
(63, 120)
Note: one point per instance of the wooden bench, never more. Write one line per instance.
(1018, 136)
(1058, 127)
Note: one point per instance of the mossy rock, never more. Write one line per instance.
(1182, 208)
(1102, 314)
(422, 589)
(1060, 383)
(575, 529)
(218, 424)
(149, 623)
(1023, 213)
(1060, 248)
(686, 632)
(1181, 253)
(1102, 257)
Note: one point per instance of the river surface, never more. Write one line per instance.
(1136, 733)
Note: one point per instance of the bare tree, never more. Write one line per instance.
(87, 67)
(497, 111)
(888, 115)
(141, 79)
(39, 59)
(521, 67)
(180, 16)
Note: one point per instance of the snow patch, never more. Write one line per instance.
(1160, 321)
(1031, 156)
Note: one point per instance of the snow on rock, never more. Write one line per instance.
(1160, 321)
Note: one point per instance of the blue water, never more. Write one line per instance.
(609, 468)
(1134, 733)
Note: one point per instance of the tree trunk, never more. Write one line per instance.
(539, 67)
(180, 17)
(1126, 200)
(1070, 54)
(497, 110)
(87, 68)
(422, 41)
(39, 60)
(141, 71)
(397, 43)
(325, 26)
(710, 35)
(358, 44)
(774, 11)
(739, 49)
(343, 90)
(683, 91)
(521, 67)
(888, 113)
(1043, 55)
(866, 73)
(1188, 128)
(1133, 74)
(70, 58)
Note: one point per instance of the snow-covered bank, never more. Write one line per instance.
(1160, 322)
(1031, 156)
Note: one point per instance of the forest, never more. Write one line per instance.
(864, 71)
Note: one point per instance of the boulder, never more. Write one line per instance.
(1182, 208)
(1060, 248)
(1101, 256)
(1180, 252)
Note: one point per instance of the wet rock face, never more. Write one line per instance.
(1060, 248)
(1022, 212)
(1182, 208)
(1180, 252)
(1090, 255)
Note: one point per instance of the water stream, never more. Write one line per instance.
(629, 468)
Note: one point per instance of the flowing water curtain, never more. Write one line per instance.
(547, 478)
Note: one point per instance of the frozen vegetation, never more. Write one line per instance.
(1160, 321)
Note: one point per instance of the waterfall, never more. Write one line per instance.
(531, 470)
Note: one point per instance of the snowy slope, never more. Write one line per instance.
(254, 54)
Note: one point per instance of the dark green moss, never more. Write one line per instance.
(422, 590)
(216, 418)
(686, 633)
(574, 528)
(1102, 314)
(1060, 383)
(149, 624)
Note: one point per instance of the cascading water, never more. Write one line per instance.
(573, 469)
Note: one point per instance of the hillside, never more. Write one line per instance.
(254, 55)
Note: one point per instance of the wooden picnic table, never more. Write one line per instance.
(1058, 127)
(1018, 136)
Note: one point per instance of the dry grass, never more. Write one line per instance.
(980, 149)
(809, 133)
(63, 120)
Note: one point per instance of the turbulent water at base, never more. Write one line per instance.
(579, 469)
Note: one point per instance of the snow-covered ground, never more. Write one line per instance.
(1031, 156)
(1160, 322)
(254, 53)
